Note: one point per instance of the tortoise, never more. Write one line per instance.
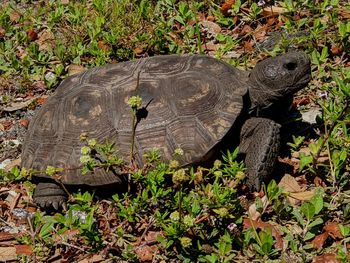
(194, 102)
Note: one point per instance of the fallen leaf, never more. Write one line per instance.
(138, 50)
(211, 46)
(253, 213)
(67, 235)
(333, 230)
(225, 7)
(212, 27)
(302, 196)
(258, 224)
(19, 105)
(102, 45)
(2, 32)
(23, 250)
(211, 18)
(5, 125)
(7, 253)
(248, 46)
(301, 101)
(319, 240)
(45, 40)
(32, 35)
(146, 253)
(274, 11)
(289, 184)
(42, 99)
(336, 50)
(6, 236)
(92, 259)
(246, 30)
(24, 122)
(15, 16)
(326, 258)
(344, 13)
(75, 69)
(65, 2)
(152, 236)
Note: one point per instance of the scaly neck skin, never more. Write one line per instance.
(267, 102)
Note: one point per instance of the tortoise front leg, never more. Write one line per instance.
(260, 142)
(49, 194)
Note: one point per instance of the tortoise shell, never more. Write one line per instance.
(192, 102)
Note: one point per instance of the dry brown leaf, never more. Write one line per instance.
(319, 240)
(45, 40)
(19, 105)
(211, 18)
(92, 259)
(289, 184)
(138, 50)
(276, 233)
(333, 230)
(32, 35)
(5, 125)
(75, 69)
(225, 7)
(15, 16)
(23, 250)
(246, 30)
(302, 196)
(65, 2)
(146, 253)
(6, 236)
(344, 13)
(248, 46)
(326, 258)
(7, 254)
(336, 50)
(255, 215)
(24, 122)
(67, 235)
(151, 236)
(274, 11)
(212, 27)
(42, 99)
(211, 46)
(2, 32)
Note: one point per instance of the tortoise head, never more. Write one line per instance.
(278, 78)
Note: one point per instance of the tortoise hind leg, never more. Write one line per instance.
(49, 194)
(260, 142)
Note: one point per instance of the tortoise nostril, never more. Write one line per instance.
(290, 65)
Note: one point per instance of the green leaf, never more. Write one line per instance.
(266, 241)
(317, 221)
(304, 161)
(344, 230)
(308, 209)
(46, 230)
(317, 202)
(309, 236)
(298, 217)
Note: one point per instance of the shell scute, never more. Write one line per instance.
(190, 102)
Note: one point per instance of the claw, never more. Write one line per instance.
(55, 205)
(64, 206)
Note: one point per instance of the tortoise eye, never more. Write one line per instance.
(290, 65)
